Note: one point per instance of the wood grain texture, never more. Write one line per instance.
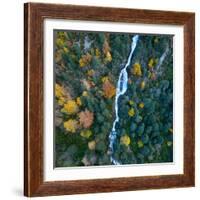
(34, 15)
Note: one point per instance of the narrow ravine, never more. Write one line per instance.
(120, 90)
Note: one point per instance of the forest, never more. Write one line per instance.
(87, 66)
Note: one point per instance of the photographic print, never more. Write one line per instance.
(109, 99)
(113, 98)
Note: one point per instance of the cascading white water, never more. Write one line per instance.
(120, 90)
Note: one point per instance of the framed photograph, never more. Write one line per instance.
(109, 99)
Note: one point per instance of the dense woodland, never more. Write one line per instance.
(87, 67)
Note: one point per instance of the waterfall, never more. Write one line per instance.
(162, 58)
(120, 90)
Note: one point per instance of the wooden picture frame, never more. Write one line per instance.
(34, 15)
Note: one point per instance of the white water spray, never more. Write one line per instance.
(120, 90)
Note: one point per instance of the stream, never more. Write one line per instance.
(120, 90)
